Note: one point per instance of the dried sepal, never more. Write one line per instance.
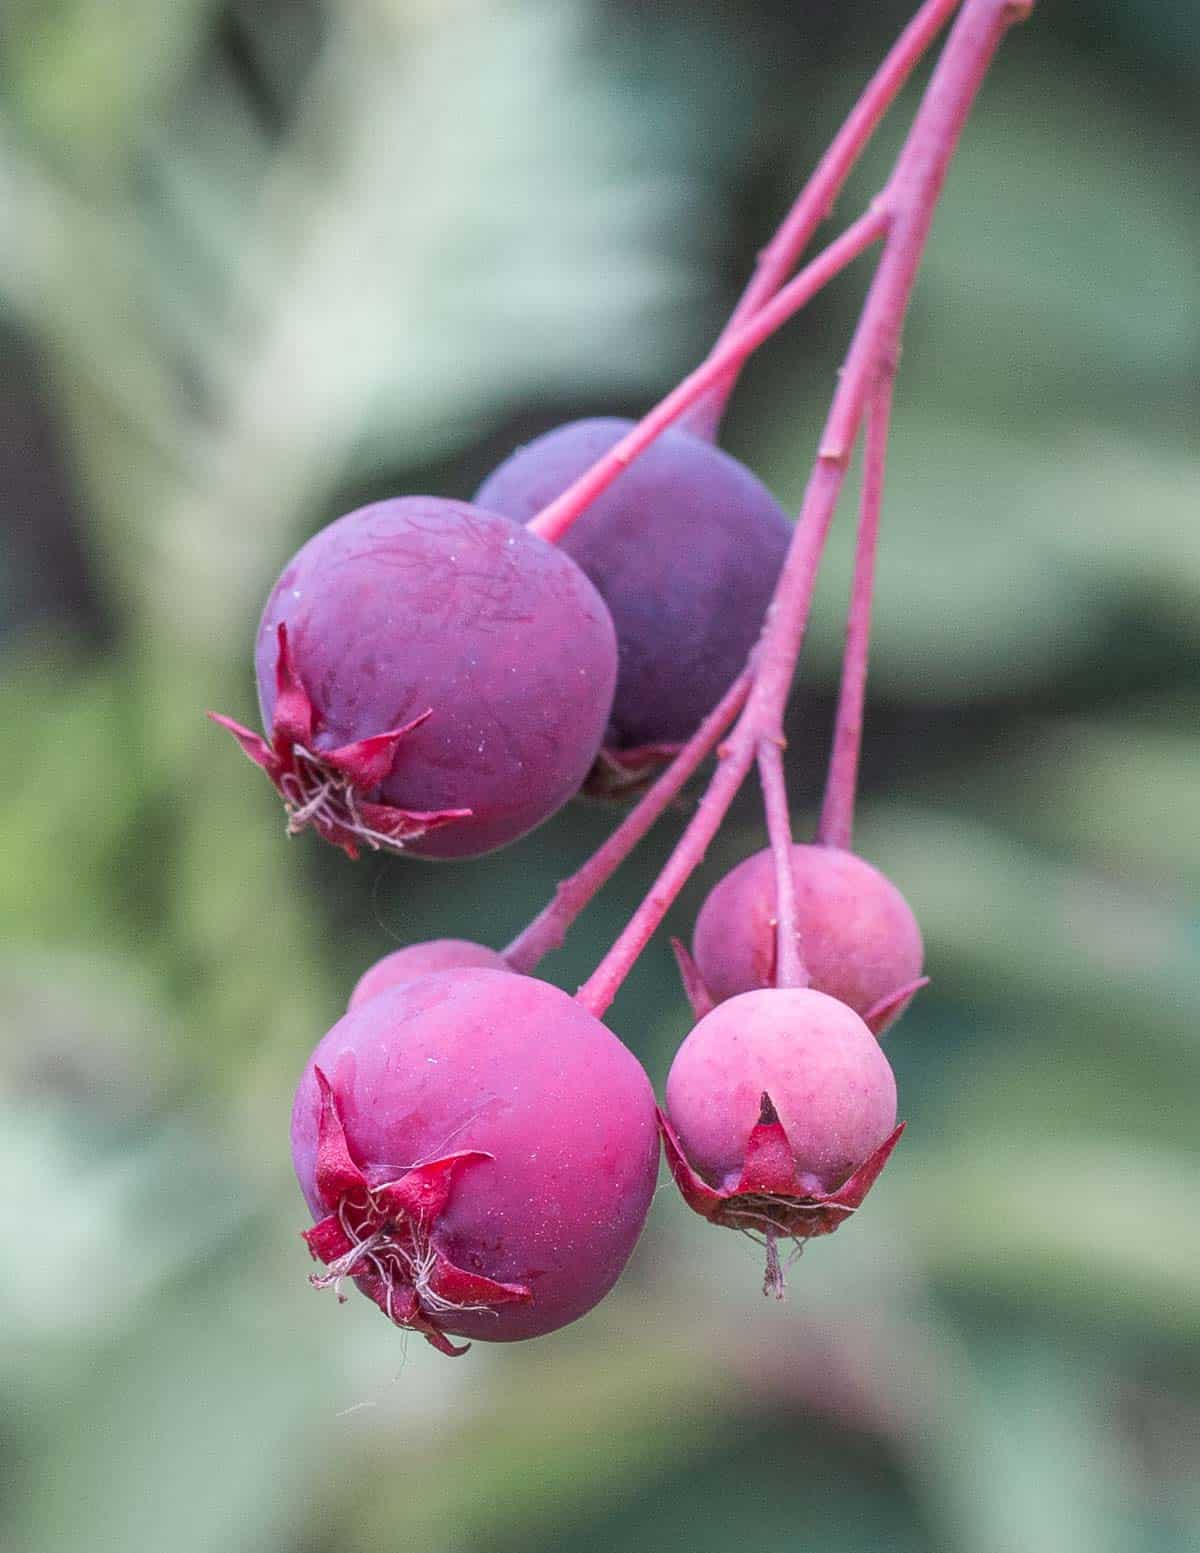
(771, 1198)
(328, 789)
(880, 1015)
(381, 1237)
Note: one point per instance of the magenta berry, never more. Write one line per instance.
(439, 954)
(478, 1152)
(435, 678)
(858, 938)
(780, 1113)
(685, 548)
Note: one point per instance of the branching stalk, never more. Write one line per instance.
(548, 928)
(555, 519)
(908, 202)
(816, 200)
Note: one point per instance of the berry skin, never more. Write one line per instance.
(685, 548)
(780, 1113)
(859, 940)
(435, 678)
(478, 1152)
(439, 954)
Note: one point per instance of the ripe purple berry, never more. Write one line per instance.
(780, 1113)
(684, 547)
(439, 954)
(858, 938)
(478, 1152)
(435, 678)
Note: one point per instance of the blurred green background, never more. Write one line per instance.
(263, 259)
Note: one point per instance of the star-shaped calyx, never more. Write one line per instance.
(329, 789)
(381, 1236)
(772, 1199)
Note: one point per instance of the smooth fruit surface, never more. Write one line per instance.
(685, 548)
(858, 938)
(423, 605)
(827, 1077)
(413, 960)
(561, 1115)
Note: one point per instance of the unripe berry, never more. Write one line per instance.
(435, 678)
(858, 938)
(413, 960)
(479, 1154)
(684, 547)
(780, 1113)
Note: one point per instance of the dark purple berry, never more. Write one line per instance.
(435, 678)
(684, 547)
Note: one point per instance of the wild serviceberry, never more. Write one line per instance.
(435, 679)
(439, 954)
(684, 547)
(478, 1153)
(780, 1114)
(857, 937)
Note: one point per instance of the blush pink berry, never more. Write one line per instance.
(478, 1152)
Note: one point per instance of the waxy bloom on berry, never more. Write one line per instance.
(858, 938)
(478, 1152)
(780, 1114)
(435, 680)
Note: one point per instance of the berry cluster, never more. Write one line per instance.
(478, 1150)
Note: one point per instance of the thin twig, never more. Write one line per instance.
(555, 519)
(789, 963)
(910, 199)
(836, 826)
(816, 200)
(549, 927)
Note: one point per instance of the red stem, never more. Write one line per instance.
(910, 198)
(554, 520)
(549, 927)
(789, 966)
(816, 200)
(836, 827)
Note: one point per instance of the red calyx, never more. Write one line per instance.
(381, 1236)
(771, 1198)
(327, 790)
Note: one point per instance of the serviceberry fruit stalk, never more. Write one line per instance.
(816, 200)
(906, 206)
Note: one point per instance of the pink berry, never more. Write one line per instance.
(435, 678)
(684, 547)
(439, 954)
(781, 1112)
(479, 1154)
(859, 940)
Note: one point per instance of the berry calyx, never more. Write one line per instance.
(329, 790)
(436, 680)
(380, 1236)
(478, 1153)
(857, 936)
(780, 1113)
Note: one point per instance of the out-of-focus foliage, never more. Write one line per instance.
(265, 258)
